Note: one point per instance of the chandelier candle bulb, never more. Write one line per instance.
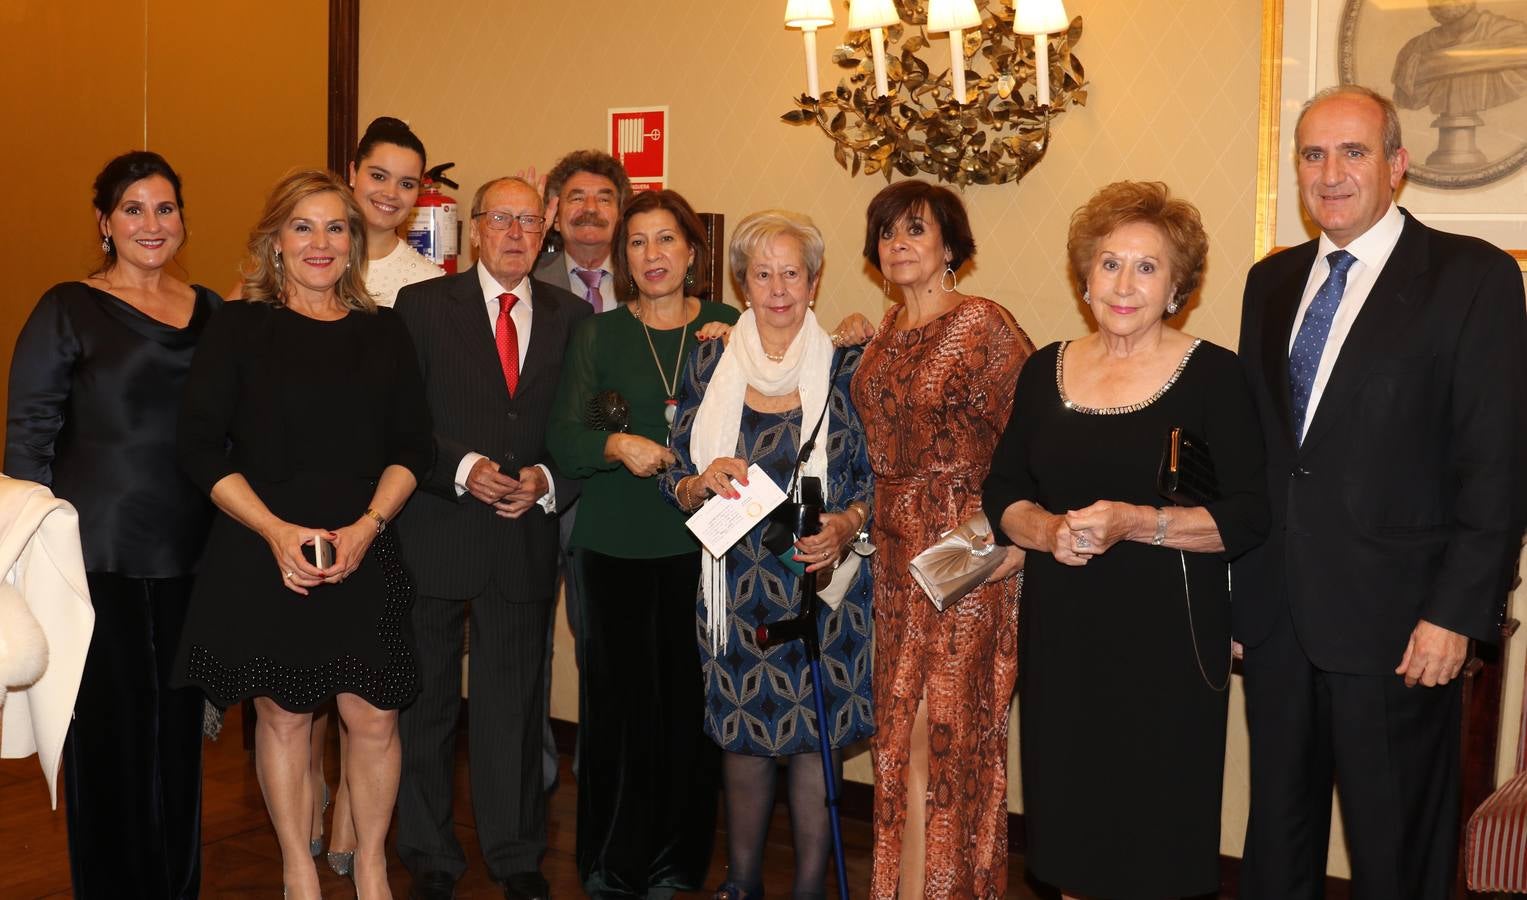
(1041, 18)
(954, 16)
(875, 16)
(808, 16)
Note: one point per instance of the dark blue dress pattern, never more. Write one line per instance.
(760, 703)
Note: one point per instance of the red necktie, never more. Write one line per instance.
(508, 340)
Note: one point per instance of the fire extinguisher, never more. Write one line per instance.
(432, 228)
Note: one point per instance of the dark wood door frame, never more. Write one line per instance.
(344, 81)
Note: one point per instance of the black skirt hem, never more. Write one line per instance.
(303, 689)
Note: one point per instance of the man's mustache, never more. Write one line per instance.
(591, 218)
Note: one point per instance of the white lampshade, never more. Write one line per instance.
(952, 15)
(1040, 17)
(867, 14)
(808, 13)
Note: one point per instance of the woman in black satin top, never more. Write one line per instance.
(95, 389)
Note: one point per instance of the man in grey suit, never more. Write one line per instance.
(479, 538)
(585, 192)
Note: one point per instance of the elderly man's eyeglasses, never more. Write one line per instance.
(499, 221)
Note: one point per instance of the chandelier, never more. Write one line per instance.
(984, 120)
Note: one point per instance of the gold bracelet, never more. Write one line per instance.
(864, 515)
(686, 491)
(381, 521)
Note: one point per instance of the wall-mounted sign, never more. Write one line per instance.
(639, 139)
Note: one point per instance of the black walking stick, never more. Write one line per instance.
(807, 521)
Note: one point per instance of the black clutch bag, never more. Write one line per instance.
(1186, 476)
(607, 411)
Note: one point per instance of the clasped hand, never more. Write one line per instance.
(350, 545)
(1081, 534)
(509, 497)
(641, 456)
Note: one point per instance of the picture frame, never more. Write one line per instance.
(1311, 44)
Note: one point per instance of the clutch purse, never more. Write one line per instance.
(607, 411)
(1186, 476)
(957, 563)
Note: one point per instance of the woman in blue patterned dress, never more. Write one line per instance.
(755, 401)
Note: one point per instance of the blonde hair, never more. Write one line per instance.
(758, 230)
(264, 281)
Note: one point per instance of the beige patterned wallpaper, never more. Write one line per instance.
(497, 86)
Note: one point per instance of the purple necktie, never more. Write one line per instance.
(591, 279)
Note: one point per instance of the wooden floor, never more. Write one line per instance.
(240, 858)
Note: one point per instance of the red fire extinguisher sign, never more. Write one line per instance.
(639, 139)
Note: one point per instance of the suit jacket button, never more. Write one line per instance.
(1300, 472)
(513, 416)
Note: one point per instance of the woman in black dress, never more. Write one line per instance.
(1124, 647)
(94, 394)
(304, 418)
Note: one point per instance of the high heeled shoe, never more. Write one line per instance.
(342, 862)
(315, 844)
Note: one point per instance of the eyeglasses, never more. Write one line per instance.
(499, 221)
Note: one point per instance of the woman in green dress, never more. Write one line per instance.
(647, 774)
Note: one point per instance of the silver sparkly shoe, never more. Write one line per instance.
(342, 862)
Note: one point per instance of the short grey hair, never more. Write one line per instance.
(490, 184)
(1392, 142)
(756, 231)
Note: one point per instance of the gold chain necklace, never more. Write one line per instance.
(671, 403)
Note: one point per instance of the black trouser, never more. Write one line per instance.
(1394, 753)
(132, 761)
(648, 776)
(504, 738)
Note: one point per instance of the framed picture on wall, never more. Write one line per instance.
(1457, 70)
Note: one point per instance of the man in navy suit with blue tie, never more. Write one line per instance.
(1389, 365)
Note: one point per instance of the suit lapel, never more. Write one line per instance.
(1282, 306)
(1385, 313)
(545, 331)
(474, 335)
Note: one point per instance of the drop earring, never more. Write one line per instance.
(279, 267)
(954, 281)
(1087, 296)
(106, 243)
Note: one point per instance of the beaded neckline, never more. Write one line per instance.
(1060, 386)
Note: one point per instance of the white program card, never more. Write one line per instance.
(721, 522)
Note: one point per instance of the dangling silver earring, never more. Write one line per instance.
(1172, 306)
(278, 261)
(954, 281)
(689, 278)
(106, 243)
(1086, 296)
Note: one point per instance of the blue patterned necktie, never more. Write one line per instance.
(1310, 344)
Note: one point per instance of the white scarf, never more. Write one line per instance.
(807, 368)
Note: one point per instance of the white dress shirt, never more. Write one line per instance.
(606, 284)
(521, 315)
(1372, 249)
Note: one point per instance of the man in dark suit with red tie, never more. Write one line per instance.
(1387, 361)
(479, 538)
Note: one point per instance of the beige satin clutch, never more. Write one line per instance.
(957, 563)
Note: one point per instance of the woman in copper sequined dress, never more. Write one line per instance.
(934, 389)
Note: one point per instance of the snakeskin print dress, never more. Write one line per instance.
(933, 401)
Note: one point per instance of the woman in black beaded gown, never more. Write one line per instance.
(94, 393)
(304, 417)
